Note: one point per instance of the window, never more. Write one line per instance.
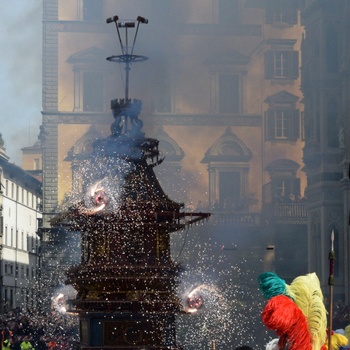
(282, 119)
(228, 93)
(93, 91)
(89, 79)
(282, 124)
(6, 238)
(282, 64)
(277, 15)
(284, 185)
(36, 164)
(8, 269)
(92, 10)
(7, 188)
(229, 190)
(281, 61)
(228, 166)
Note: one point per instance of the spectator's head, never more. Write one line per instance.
(244, 347)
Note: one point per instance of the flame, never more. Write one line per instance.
(98, 197)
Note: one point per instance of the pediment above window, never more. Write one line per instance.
(282, 97)
(228, 148)
(91, 55)
(83, 146)
(283, 165)
(168, 146)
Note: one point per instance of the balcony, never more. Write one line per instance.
(277, 213)
(288, 213)
(237, 218)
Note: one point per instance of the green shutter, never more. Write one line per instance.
(269, 69)
(295, 124)
(270, 124)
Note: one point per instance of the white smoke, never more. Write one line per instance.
(20, 71)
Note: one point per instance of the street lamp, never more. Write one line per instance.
(127, 57)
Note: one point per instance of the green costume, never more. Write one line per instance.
(6, 345)
(26, 345)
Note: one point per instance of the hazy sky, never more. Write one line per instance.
(20, 74)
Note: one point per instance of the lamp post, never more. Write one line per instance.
(126, 57)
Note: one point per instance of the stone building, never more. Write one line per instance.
(32, 160)
(325, 69)
(220, 90)
(20, 218)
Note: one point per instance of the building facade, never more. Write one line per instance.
(220, 90)
(325, 70)
(20, 218)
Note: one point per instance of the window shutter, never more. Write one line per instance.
(270, 125)
(269, 68)
(294, 64)
(296, 187)
(295, 124)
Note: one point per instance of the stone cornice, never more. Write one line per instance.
(77, 26)
(177, 28)
(217, 29)
(156, 119)
(204, 120)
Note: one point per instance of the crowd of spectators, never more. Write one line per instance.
(52, 330)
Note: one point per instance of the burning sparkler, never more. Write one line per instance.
(194, 301)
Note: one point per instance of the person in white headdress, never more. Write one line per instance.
(272, 345)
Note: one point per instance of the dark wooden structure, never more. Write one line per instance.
(126, 281)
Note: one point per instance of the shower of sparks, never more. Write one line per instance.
(230, 313)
